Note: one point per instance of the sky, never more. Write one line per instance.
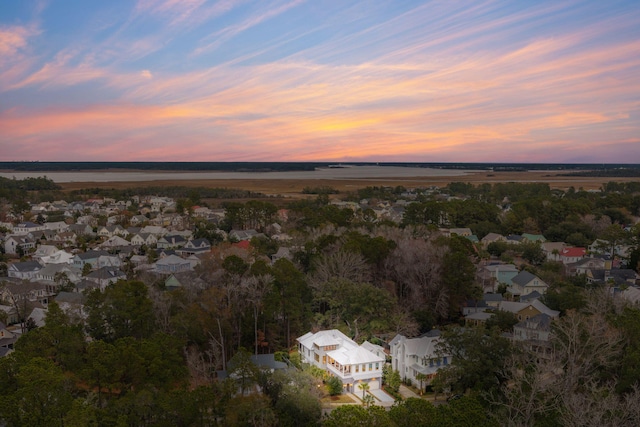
(320, 80)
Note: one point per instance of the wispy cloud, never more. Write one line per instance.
(486, 82)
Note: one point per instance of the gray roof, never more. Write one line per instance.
(91, 254)
(70, 297)
(492, 297)
(106, 273)
(530, 296)
(539, 322)
(523, 278)
(27, 266)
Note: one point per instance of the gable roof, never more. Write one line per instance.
(539, 322)
(523, 278)
(573, 252)
(25, 266)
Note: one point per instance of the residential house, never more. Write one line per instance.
(604, 247)
(65, 238)
(27, 227)
(13, 244)
(81, 229)
(525, 283)
(156, 230)
(463, 232)
(193, 247)
(112, 230)
(585, 265)
(114, 242)
(514, 239)
(43, 251)
(72, 304)
(552, 250)
(108, 260)
(533, 238)
(106, 276)
(138, 220)
(171, 264)
(572, 254)
(283, 252)
(630, 294)
(10, 313)
(42, 235)
(7, 340)
(48, 273)
(172, 282)
(493, 275)
(616, 277)
(526, 310)
(18, 293)
(340, 356)
(90, 257)
(170, 241)
(492, 237)
(413, 356)
(57, 227)
(240, 235)
(26, 270)
(144, 239)
(477, 318)
(535, 334)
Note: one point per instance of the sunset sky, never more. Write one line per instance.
(339, 80)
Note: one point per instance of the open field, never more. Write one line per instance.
(293, 187)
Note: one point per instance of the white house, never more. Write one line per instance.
(58, 257)
(48, 273)
(27, 227)
(413, 356)
(342, 357)
(172, 264)
(525, 283)
(12, 243)
(572, 254)
(43, 251)
(24, 270)
(192, 247)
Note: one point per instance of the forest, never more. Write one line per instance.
(148, 355)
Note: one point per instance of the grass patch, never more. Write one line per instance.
(341, 398)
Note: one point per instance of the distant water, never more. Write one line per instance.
(352, 172)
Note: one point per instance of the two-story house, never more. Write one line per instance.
(193, 247)
(414, 356)
(525, 283)
(342, 357)
(26, 270)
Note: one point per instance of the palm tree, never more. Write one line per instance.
(364, 387)
(368, 400)
(421, 377)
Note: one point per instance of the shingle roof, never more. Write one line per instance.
(523, 278)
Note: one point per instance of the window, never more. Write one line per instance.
(371, 366)
(317, 357)
(444, 360)
(377, 366)
(357, 368)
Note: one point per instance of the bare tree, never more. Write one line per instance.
(340, 265)
(526, 395)
(162, 304)
(255, 288)
(582, 344)
(597, 406)
(415, 266)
